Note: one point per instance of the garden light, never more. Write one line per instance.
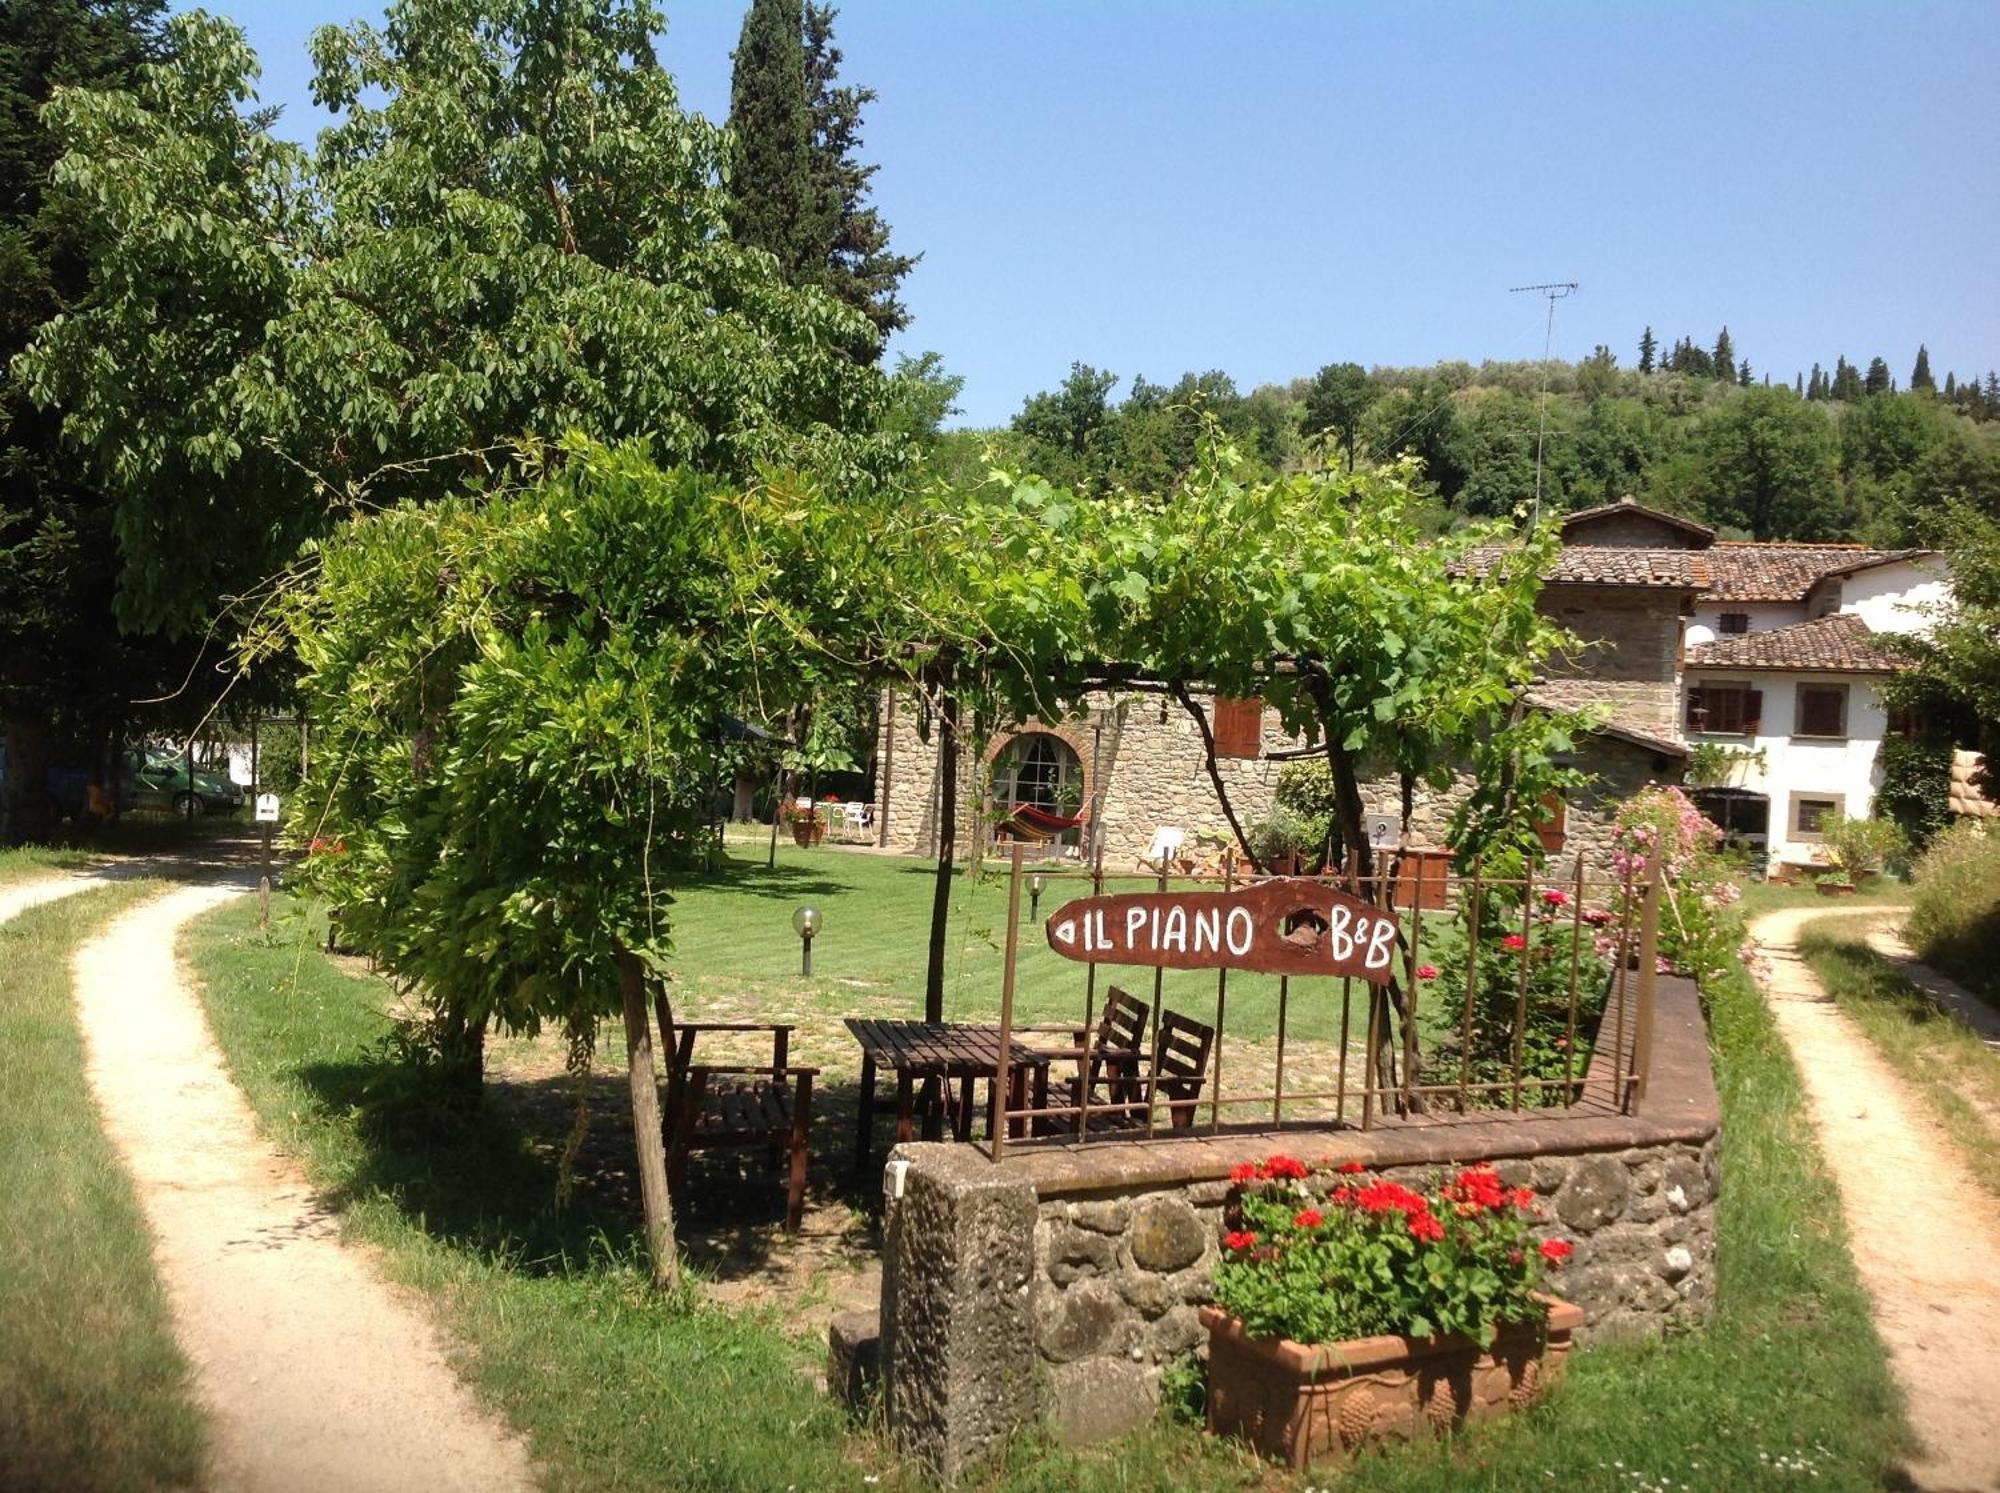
(805, 923)
(1035, 885)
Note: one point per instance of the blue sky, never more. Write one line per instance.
(1263, 188)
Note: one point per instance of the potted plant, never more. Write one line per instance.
(1352, 1309)
(808, 824)
(1835, 884)
(1276, 840)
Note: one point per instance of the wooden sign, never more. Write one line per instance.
(1288, 927)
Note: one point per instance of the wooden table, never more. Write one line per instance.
(932, 1054)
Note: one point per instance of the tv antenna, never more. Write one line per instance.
(1554, 290)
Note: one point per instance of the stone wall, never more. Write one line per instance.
(1630, 659)
(1055, 1286)
(1118, 1277)
(1149, 772)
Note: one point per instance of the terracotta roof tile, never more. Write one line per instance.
(1592, 565)
(1749, 571)
(1837, 643)
(1628, 506)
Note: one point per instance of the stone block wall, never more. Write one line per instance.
(1118, 1277)
(1631, 654)
(1055, 1286)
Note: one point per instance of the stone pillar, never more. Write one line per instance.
(958, 1342)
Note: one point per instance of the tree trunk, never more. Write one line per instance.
(462, 1054)
(947, 854)
(26, 817)
(647, 1134)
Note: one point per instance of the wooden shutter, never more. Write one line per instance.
(1753, 712)
(1552, 826)
(1239, 727)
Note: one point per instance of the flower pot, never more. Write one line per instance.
(1835, 888)
(808, 832)
(1303, 1404)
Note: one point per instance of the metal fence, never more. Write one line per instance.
(1486, 971)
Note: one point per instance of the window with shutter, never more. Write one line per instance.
(1822, 711)
(1724, 709)
(1735, 622)
(1239, 727)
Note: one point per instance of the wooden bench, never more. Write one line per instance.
(713, 1105)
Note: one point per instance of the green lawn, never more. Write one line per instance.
(1941, 1058)
(619, 1389)
(93, 1391)
(20, 863)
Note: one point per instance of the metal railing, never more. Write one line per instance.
(1580, 954)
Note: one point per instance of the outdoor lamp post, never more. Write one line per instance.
(1035, 884)
(805, 923)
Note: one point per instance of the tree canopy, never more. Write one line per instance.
(513, 229)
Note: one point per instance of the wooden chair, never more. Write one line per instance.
(711, 1105)
(1180, 1064)
(1117, 1055)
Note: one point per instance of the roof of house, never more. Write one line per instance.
(1630, 507)
(1592, 565)
(1622, 723)
(1839, 643)
(1744, 570)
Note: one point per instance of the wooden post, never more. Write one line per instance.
(646, 1131)
(1003, 1089)
(1649, 978)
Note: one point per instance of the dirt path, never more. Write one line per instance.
(18, 896)
(1926, 1237)
(313, 1372)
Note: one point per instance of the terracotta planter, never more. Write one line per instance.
(1835, 888)
(1303, 1404)
(808, 832)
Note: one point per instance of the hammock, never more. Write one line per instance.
(1031, 823)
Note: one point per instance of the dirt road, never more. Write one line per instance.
(1926, 1237)
(314, 1373)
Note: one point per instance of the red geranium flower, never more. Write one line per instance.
(1513, 941)
(1308, 1218)
(1427, 971)
(1285, 1166)
(1524, 1197)
(1390, 1197)
(1247, 1172)
(1350, 1168)
(1239, 1239)
(1555, 1251)
(1423, 1226)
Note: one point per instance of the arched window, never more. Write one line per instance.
(1041, 771)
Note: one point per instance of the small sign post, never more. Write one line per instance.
(267, 817)
(1385, 831)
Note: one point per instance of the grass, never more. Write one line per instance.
(21, 862)
(93, 1391)
(617, 1388)
(1943, 1060)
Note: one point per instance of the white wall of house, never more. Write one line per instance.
(1705, 626)
(1895, 597)
(1795, 766)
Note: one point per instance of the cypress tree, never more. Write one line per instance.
(1877, 379)
(1920, 376)
(1846, 381)
(1724, 356)
(1950, 384)
(1799, 383)
(1816, 385)
(860, 268)
(1649, 346)
(1743, 373)
(781, 201)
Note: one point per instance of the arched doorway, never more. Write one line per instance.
(1041, 772)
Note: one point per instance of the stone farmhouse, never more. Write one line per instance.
(1776, 650)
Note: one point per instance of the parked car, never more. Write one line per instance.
(157, 778)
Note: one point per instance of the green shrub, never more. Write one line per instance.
(1916, 787)
(1861, 847)
(1305, 789)
(1955, 920)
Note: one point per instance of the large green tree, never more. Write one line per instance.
(1768, 467)
(1339, 397)
(512, 229)
(67, 672)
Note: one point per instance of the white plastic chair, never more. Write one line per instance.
(1167, 842)
(854, 815)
